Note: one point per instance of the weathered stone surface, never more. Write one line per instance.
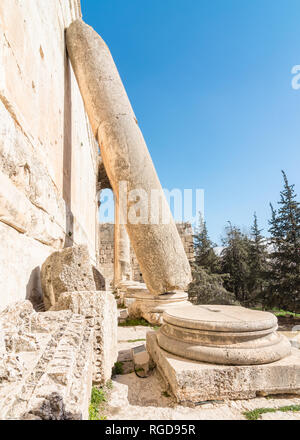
(192, 382)
(130, 393)
(100, 311)
(150, 307)
(107, 254)
(122, 266)
(98, 279)
(227, 335)
(293, 337)
(125, 360)
(50, 379)
(126, 158)
(122, 315)
(48, 154)
(67, 270)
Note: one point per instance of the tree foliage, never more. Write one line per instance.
(235, 262)
(207, 285)
(252, 269)
(285, 256)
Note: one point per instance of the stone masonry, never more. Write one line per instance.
(46, 364)
(106, 250)
(100, 312)
(69, 270)
(48, 154)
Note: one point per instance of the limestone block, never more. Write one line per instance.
(16, 315)
(100, 310)
(293, 337)
(122, 315)
(140, 355)
(48, 155)
(53, 381)
(18, 212)
(126, 158)
(141, 304)
(68, 270)
(11, 368)
(125, 359)
(20, 260)
(192, 381)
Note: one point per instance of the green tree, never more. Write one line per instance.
(207, 288)
(207, 285)
(235, 262)
(285, 256)
(258, 262)
(205, 255)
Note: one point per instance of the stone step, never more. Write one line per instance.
(126, 359)
(122, 315)
(118, 399)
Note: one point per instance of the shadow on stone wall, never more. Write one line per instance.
(67, 154)
(34, 291)
(98, 279)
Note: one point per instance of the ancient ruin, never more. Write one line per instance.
(158, 247)
(68, 131)
(237, 351)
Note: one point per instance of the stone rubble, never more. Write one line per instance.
(100, 311)
(68, 270)
(51, 378)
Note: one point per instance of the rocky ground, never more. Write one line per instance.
(287, 323)
(134, 398)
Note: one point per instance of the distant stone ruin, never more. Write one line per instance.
(107, 237)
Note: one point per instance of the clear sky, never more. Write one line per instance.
(210, 83)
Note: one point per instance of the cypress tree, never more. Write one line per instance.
(285, 256)
(258, 262)
(235, 262)
(207, 285)
(205, 255)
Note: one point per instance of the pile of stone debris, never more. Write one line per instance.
(49, 360)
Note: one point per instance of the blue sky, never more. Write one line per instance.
(210, 83)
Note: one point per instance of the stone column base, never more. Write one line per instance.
(192, 381)
(226, 335)
(141, 304)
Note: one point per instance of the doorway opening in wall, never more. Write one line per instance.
(107, 206)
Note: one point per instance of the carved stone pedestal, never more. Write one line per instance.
(223, 352)
(142, 304)
(227, 335)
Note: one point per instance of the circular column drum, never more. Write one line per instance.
(227, 335)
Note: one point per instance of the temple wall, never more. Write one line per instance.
(106, 253)
(106, 250)
(48, 155)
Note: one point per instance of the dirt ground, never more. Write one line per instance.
(287, 323)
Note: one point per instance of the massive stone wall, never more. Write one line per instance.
(106, 251)
(48, 155)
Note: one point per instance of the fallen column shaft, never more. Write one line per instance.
(158, 247)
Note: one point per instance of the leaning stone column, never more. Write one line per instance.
(122, 266)
(158, 247)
